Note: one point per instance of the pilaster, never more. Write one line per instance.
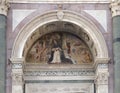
(17, 75)
(101, 80)
(2, 53)
(3, 13)
(115, 9)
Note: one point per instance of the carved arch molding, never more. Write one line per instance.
(25, 76)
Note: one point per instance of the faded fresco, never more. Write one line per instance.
(59, 48)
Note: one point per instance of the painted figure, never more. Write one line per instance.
(40, 48)
(56, 55)
(62, 48)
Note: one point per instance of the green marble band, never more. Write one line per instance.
(116, 51)
(116, 40)
(2, 52)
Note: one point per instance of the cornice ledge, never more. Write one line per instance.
(115, 8)
(59, 1)
(102, 60)
(16, 60)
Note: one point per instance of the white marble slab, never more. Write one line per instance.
(59, 88)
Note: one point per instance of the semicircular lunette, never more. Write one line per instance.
(59, 48)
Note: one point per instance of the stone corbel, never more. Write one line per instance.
(115, 8)
(17, 64)
(101, 61)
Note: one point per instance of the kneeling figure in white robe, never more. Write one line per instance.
(56, 55)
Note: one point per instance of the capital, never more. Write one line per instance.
(4, 5)
(102, 74)
(115, 8)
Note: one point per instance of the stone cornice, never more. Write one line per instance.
(59, 1)
(115, 8)
(4, 5)
(17, 60)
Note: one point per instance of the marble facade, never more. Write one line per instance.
(31, 19)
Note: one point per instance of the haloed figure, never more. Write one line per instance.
(56, 55)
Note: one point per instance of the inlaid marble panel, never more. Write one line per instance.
(59, 88)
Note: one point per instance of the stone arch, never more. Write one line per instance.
(78, 19)
(89, 27)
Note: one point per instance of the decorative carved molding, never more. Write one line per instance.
(4, 5)
(60, 14)
(103, 66)
(102, 74)
(17, 75)
(16, 60)
(17, 79)
(102, 79)
(17, 63)
(59, 73)
(101, 62)
(17, 66)
(115, 8)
